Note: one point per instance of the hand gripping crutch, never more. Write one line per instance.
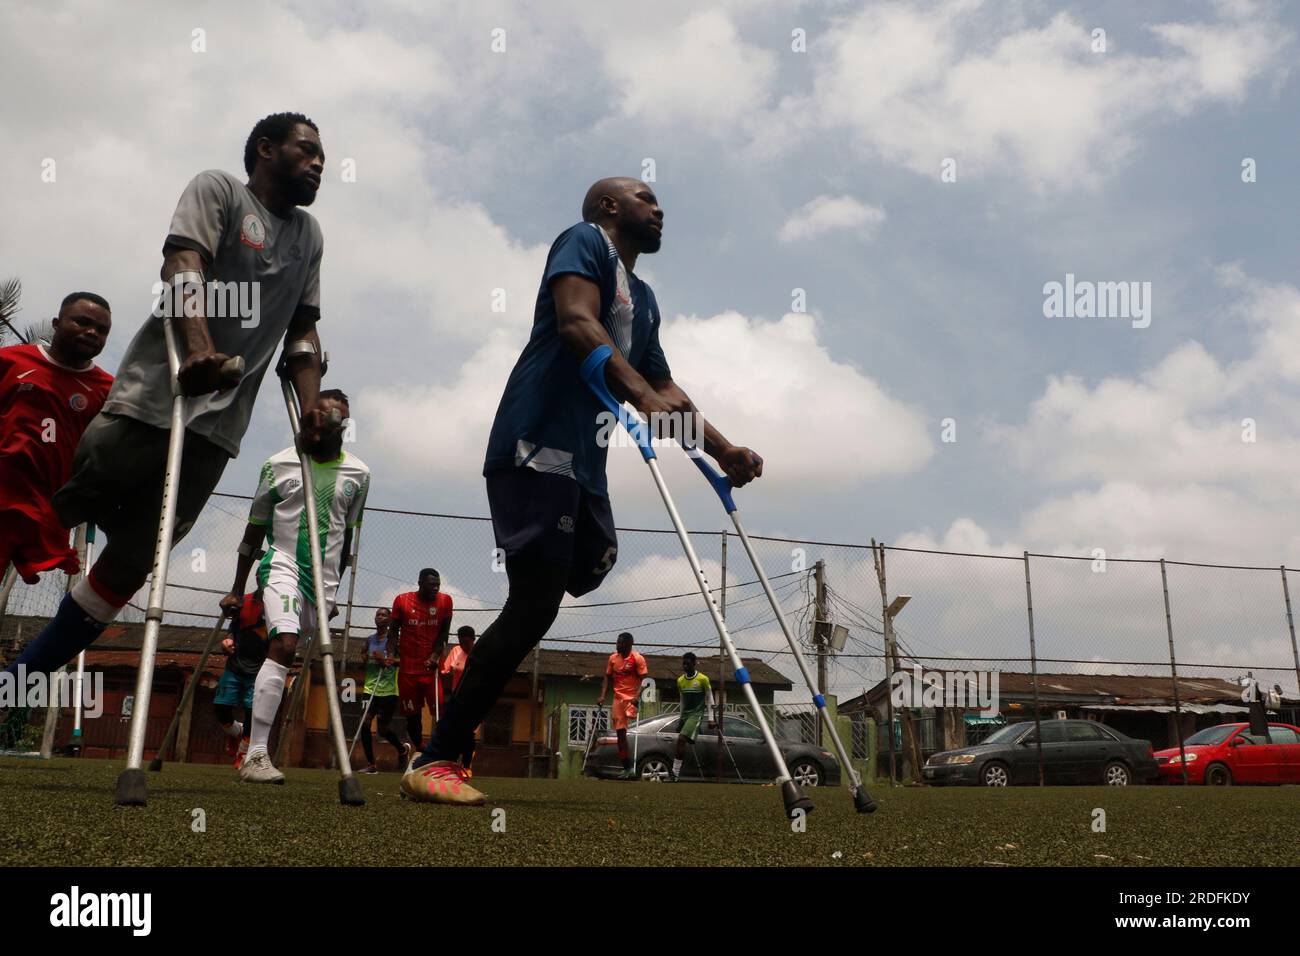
(593, 373)
(349, 787)
(187, 698)
(862, 801)
(132, 790)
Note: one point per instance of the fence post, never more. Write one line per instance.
(1173, 670)
(532, 709)
(1290, 623)
(1033, 670)
(722, 664)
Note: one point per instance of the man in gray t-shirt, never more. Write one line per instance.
(241, 274)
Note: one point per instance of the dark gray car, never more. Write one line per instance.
(1074, 751)
(744, 754)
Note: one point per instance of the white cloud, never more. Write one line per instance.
(1183, 419)
(830, 214)
(772, 385)
(915, 85)
(698, 70)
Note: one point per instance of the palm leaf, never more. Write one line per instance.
(11, 293)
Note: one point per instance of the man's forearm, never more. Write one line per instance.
(714, 441)
(254, 535)
(582, 335)
(190, 316)
(304, 370)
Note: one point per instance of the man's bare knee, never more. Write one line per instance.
(282, 649)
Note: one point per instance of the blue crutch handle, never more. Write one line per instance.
(593, 373)
(720, 482)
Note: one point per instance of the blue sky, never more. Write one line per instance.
(924, 297)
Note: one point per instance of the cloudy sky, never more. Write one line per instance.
(864, 202)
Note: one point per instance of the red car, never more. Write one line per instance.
(1229, 753)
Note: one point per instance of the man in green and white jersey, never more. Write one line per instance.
(697, 705)
(341, 482)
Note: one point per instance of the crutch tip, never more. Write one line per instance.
(350, 793)
(796, 800)
(863, 803)
(131, 789)
(155, 765)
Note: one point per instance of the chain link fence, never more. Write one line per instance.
(1094, 615)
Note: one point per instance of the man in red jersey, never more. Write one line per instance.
(48, 395)
(421, 622)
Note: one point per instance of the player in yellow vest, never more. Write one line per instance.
(697, 705)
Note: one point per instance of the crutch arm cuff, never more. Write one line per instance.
(293, 350)
(592, 372)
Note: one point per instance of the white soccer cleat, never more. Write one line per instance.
(257, 768)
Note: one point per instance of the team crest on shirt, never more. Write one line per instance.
(566, 523)
(291, 485)
(252, 233)
(350, 488)
(78, 402)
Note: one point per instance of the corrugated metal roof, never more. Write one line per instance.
(1125, 690)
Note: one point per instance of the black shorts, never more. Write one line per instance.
(553, 518)
(117, 483)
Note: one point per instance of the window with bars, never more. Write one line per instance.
(584, 721)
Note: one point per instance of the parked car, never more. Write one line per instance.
(1074, 751)
(745, 758)
(1229, 753)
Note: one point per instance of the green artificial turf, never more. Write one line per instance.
(61, 812)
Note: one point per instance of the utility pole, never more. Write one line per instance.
(820, 639)
(891, 665)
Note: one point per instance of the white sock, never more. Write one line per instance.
(677, 768)
(88, 599)
(234, 729)
(268, 689)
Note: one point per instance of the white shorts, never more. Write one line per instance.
(287, 611)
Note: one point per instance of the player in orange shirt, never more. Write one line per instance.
(453, 665)
(48, 394)
(627, 667)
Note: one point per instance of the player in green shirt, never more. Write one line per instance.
(381, 685)
(697, 704)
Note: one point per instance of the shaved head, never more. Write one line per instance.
(627, 209)
(615, 187)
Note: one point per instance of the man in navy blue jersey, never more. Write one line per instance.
(545, 465)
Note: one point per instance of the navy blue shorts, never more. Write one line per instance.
(553, 518)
